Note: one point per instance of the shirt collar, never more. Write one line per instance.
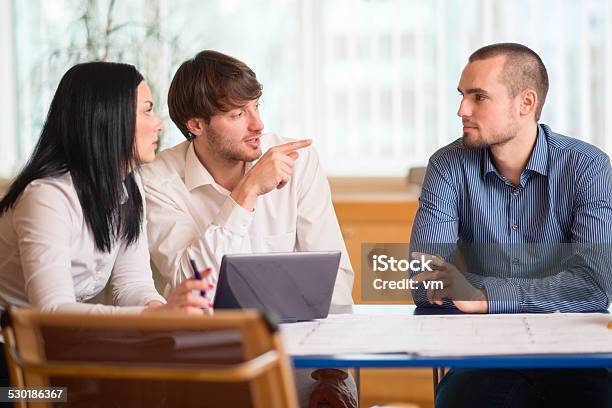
(539, 156)
(196, 175)
(538, 162)
(487, 164)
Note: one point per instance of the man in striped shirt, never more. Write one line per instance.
(514, 195)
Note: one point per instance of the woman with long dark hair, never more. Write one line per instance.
(73, 217)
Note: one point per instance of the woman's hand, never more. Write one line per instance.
(183, 299)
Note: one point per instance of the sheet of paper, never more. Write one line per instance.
(451, 335)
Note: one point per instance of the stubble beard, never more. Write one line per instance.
(471, 142)
(228, 150)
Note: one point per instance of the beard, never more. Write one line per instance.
(476, 142)
(224, 148)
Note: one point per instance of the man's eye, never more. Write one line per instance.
(238, 115)
(480, 97)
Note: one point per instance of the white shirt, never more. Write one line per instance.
(186, 208)
(48, 257)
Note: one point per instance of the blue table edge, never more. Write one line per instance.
(404, 360)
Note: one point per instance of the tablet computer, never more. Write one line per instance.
(295, 286)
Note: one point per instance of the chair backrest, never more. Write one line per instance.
(234, 358)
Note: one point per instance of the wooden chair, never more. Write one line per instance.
(234, 358)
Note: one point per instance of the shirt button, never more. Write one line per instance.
(516, 192)
(515, 261)
(515, 227)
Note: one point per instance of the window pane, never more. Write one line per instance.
(372, 81)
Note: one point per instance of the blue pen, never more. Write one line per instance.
(196, 273)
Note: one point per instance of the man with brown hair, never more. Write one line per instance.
(511, 193)
(219, 193)
(232, 189)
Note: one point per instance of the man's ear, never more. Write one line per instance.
(195, 126)
(529, 102)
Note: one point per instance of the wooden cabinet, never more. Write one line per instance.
(380, 218)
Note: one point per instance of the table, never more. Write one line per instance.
(405, 360)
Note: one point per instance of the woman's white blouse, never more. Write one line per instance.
(48, 257)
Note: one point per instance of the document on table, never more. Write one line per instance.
(451, 335)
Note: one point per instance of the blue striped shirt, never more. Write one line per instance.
(564, 197)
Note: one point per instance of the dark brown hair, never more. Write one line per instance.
(522, 69)
(209, 83)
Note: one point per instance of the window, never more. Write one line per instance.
(372, 81)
